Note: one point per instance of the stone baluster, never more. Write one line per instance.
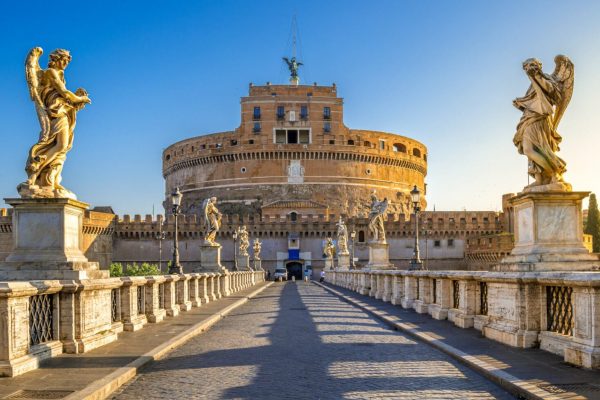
(154, 312)
(133, 318)
(170, 294)
(183, 293)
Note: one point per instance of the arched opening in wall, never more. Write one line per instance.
(367, 144)
(293, 216)
(350, 142)
(399, 148)
(361, 236)
(416, 152)
(168, 157)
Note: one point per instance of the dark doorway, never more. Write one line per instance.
(294, 269)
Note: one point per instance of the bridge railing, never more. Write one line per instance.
(557, 311)
(41, 319)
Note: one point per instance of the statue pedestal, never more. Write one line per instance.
(548, 234)
(343, 262)
(48, 241)
(379, 256)
(210, 259)
(328, 264)
(258, 265)
(243, 263)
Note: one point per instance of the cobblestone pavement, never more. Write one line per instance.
(297, 341)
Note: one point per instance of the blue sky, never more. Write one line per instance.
(442, 72)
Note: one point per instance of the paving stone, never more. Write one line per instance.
(298, 341)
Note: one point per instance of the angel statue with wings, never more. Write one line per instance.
(543, 107)
(244, 240)
(257, 248)
(342, 237)
(212, 217)
(378, 209)
(293, 66)
(56, 108)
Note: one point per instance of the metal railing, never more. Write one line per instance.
(41, 319)
(559, 309)
(115, 309)
(455, 294)
(483, 298)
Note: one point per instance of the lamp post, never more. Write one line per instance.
(235, 261)
(176, 201)
(352, 236)
(416, 263)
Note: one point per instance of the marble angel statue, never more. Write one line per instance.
(244, 241)
(257, 246)
(376, 226)
(342, 237)
(56, 109)
(537, 136)
(212, 217)
(329, 249)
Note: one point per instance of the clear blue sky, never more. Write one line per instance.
(442, 72)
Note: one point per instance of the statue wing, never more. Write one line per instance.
(204, 206)
(564, 74)
(33, 75)
(287, 61)
(383, 206)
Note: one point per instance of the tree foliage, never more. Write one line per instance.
(592, 227)
(135, 269)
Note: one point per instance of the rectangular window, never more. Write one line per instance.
(450, 242)
(303, 112)
(304, 136)
(280, 136)
(256, 128)
(292, 116)
(382, 145)
(437, 243)
(327, 127)
(326, 113)
(256, 114)
(292, 136)
(280, 112)
(233, 142)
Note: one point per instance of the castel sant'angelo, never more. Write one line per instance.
(288, 173)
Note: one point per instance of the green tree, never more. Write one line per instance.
(593, 222)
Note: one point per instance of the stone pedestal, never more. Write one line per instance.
(258, 265)
(243, 262)
(343, 262)
(328, 264)
(379, 256)
(548, 234)
(48, 240)
(210, 259)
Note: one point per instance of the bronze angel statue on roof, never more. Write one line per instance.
(537, 136)
(56, 108)
(293, 66)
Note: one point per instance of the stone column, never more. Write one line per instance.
(380, 288)
(379, 256)
(133, 318)
(421, 305)
(210, 286)
(397, 289)
(410, 291)
(171, 295)
(224, 284)
(439, 309)
(373, 286)
(183, 293)
(195, 295)
(217, 285)
(387, 287)
(48, 242)
(154, 312)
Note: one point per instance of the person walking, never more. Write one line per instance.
(322, 278)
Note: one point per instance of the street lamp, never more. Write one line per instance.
(176, 201)
(235, 261)
(352, 236)
(415, 196)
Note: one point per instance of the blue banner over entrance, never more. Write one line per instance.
(293, 254)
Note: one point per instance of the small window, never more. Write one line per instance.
(361, 236)
(367, 144)
(293, 216)
(382, 145)
(450, 242)
(463, 221)
(474, 221)
(304, 136)
(280, 112)
(251, 141)
(332, 141)
(168, 157)
(451, 220)
(486, 220)
(256, 114)
(399, 148)
(292, 136)
(243, 170)
(326, 113)
(416, 152)
(218, 146)
(425, 157)
(303, 112)
(233, 142)
(280, 136)
(327, 127)
(256, 128)
(350, 142)
(203, 146)
(368, 172)
(437, 243)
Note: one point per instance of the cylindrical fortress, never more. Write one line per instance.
(292, 153)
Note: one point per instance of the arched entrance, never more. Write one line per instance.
(294, 269)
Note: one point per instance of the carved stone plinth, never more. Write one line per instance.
(258, 265)
(343, 262)
(210, 259)
(548, 234)
(243, 263)
(329, 264)
(379, 256)
(48, 241)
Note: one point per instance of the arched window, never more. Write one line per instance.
(399, 147)
(361, 236)
(416, 152)
(350, 142)
(293, 216)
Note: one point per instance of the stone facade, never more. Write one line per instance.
(292, 144)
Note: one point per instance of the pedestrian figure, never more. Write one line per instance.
(322, 278)
(269, 275)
